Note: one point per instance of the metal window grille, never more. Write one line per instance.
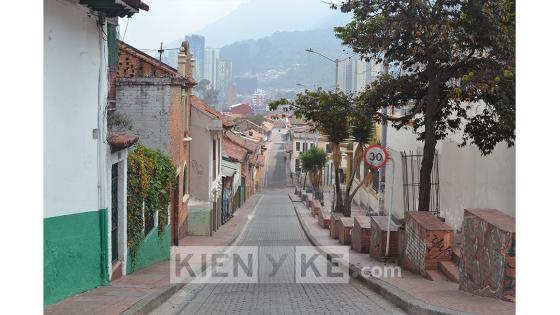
(411, 164)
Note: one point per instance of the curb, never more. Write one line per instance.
(397, 296)
(155, 299)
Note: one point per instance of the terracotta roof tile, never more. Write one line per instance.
(246, 143)
(253, 134)
(268, 126)
(202, 106)
(234, 150)
(121, 140)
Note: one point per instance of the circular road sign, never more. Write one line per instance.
(375, 156)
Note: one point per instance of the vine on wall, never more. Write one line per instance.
(151, 178)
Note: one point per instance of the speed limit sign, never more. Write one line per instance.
(375, 156)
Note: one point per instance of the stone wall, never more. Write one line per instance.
(487, 265)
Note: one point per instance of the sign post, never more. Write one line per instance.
(376, 156)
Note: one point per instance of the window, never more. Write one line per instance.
(185, 180)
(186, 113)
(298, 146)
(214, 159)
(297, 165)
(304, 146)
(312, 145)
(328, 148)
(148, 221)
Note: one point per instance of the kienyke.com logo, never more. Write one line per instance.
(261, 264)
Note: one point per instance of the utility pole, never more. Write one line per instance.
(160, 50)
(383, 142)
(336, 61)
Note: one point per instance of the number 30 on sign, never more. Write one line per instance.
(375, 156)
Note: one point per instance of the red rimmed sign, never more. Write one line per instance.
(375, 156)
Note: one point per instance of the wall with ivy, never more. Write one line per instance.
(151, 178)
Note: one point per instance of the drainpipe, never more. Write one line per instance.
(101, 134)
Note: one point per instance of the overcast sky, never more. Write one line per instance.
(169, 19)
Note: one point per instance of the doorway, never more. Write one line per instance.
(175, 215)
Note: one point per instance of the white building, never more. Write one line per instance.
(355, 74)
(466, 178)
(207, 128)
(79, 165)
(211, 56)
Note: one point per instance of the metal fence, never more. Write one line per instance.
(411, 164)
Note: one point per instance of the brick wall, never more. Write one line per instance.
(179, 149)
(155, 108)
(378, 240)
(361, 234)
(487, 265)
(427, 240)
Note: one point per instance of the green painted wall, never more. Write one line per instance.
(153, 249)
(73, 255)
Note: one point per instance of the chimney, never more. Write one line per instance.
(182, 59)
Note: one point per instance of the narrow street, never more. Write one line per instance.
(274, 225)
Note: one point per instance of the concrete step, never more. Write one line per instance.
(450, 270)
(435, 275)
(456, 255)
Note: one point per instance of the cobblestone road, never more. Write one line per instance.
(275, 227)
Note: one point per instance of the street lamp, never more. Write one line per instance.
(336, 62)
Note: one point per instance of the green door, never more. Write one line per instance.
(242, 189)
(114, 211)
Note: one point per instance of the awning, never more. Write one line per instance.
(228, 171)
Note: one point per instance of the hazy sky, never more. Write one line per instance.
(169, 19)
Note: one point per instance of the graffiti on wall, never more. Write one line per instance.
(487, 266)
(196, 167)
(439, 246)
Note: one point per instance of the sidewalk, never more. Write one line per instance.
(411, 291)
(142, 290)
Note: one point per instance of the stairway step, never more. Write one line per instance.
(450, 270)
(456, 255)
(435, 275)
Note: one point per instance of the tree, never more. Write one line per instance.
(312, 162)
(206, 92)
(456, 69)
(340, 119)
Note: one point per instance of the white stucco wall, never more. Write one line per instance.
(75, 84)
(467, 179)
(201, 181)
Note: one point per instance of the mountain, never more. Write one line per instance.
(280, 61)
(259, 18)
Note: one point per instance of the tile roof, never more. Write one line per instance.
(268, 126)
(202, 106)
(246, 143)
(234, 150)
(121, 140)
(253, 134)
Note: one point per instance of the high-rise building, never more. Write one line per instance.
(354, 74)
(211, 56)
(224, 75)
(258, 100)
(196, 44)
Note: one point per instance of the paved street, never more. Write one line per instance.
(275, 224)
